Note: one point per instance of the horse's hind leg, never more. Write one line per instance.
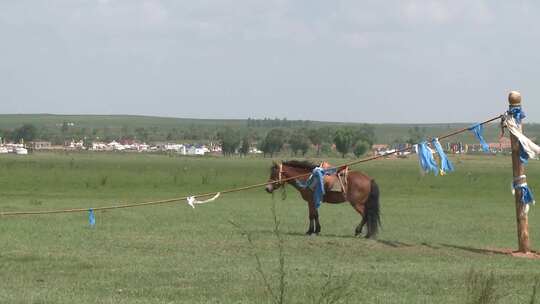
(360, 209)
(360, 227)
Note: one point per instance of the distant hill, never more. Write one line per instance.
(163, 127)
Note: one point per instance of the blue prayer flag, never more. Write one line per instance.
(446, 165)
(91, 217)
(478, 131)
(425, 157)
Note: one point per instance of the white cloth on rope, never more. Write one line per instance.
(192, 201)
(528, 145)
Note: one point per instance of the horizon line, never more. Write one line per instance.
(241, 119)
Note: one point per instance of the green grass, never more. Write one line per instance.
(435, 230)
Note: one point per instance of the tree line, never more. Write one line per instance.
(346, 139)
(324, 140)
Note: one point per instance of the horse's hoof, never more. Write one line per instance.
(309, 233)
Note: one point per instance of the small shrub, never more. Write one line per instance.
(205, 179)
(535, 290)
(103, 181)
(481, 288)
(35, 202)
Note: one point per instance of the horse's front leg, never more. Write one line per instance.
(317, 224)
(312, 213)
(314, 225)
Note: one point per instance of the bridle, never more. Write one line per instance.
(280, 175)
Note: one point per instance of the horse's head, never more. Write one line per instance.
(276, 178)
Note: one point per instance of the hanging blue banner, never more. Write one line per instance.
(91, 218)
(478, 131)
(425, 157)
(446, 164)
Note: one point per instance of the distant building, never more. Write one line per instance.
(197, 150)
(75, 145)
(379, 149)
(174, 147)
(254, 150)
(502, 146)
(40, 145)
(100, 146)
(398, 150)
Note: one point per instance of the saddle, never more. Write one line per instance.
(336, 182)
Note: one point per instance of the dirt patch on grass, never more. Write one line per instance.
(516, 254)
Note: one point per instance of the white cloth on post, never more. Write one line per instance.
(528, 145)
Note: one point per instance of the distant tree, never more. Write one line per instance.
(365, 133)
(327, 134)
(7, 135)
(299, 141)
(229, 140)
(28, 132)
(44, 133)
(87, 143)
(343, 138)
(57, 140)
(273, 142)
(360, 148)
(316, 139)
(246, 144)
(124, 133)
(416, 134)
(141, 134)
(107, 134)
(65, 127)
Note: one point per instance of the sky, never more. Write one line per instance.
(334, 60)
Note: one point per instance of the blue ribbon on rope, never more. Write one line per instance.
(517, 113)
(91, 217)
(425, 157)
(446, 164)
(316, 183)
(527, 196)
(478, 131)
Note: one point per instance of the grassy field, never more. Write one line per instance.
(435, 231)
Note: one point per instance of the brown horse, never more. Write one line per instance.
(362, 192)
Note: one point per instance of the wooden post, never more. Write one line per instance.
(514, 100)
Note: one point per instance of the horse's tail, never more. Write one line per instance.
(373, 211)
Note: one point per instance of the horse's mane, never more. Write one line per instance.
(301, 164)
